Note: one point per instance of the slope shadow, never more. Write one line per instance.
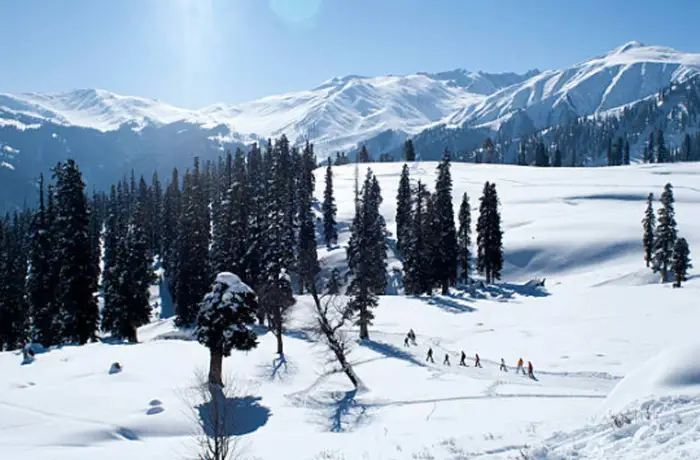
(299, 334)
(449, 303)
(278, 369)
(390, 351)
(236, 416)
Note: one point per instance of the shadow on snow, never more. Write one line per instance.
(236, 416)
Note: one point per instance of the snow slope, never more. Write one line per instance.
(601, 317)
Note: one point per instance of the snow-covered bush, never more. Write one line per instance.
(223, 320)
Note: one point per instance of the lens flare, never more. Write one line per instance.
(296, 12)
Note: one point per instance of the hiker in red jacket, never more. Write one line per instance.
(530, 372)
(477, 361)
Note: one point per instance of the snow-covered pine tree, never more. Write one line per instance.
(666, 233)
(648, 225)
(223, 321)
(193, 249)
(626, 153)
(240, 210)
(403, 210)
(257, 217)
(223, 206)
(78, 273)
(169, 231)
(416, 279)
(681, 261)
(367, 255)
(41, 291)
(308, 266)
(445, 256)
(130, 277)
(329, 209)
(409, 152)
(156, 194)
(278, 297)
(464, 240)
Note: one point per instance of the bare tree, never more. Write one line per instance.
(211, 410)
(331, 315)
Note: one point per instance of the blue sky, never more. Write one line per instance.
(194, 53)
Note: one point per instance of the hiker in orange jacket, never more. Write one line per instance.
(520, 367)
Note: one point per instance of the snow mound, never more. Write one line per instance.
(673, 372)
(234, 283)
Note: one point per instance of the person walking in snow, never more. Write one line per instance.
(530, 371)
(405, 342)
(430, 356)
(503, 366)
(462, 359)
(446, 361)
(477, 361)
(520, 367)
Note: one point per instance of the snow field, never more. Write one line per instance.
(601, 317)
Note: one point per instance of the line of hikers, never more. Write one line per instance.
(411, 338)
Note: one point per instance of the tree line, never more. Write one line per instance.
(252, 214)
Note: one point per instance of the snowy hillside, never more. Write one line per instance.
(601, 316)
(624, 75)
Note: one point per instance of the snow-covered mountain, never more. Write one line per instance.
(622, 76)
(457, 109)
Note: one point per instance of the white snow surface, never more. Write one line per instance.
(601, 317)
(344, 111)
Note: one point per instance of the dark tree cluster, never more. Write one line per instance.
(664, 251)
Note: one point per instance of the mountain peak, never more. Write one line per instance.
(627, 47)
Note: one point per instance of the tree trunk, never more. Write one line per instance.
(133, 337)
(664, 272)
(280, 347)
(364, 333)
(445, 287)
(215, 368)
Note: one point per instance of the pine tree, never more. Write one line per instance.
(662, 154)
(403, 210)
(257, 217)
(416, 263)
(686, 149)
(409, 153)
(278, 297)
(541, 155)
(645, 155)
(666, 233)
(240, 203)
(41, 291)
(308, 257)
(489, 235)
(445, 267)
(488, 150)
(155, 238)
(617, 153)
(557, 158)
(364, 156)
(172, 207)
(13, 266)
(329, 210)
(130, 279)
(223, 321)
(626, 153)
(367, 255)
(464, 240)
(77, 271)
(681, 261)
(193, 249)
(649, 224)
(522, 158)
(609, 153)
(651, 146)
(334, 282)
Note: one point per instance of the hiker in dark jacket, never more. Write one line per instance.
(447, 360)
(462, 359)
(429, 357)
